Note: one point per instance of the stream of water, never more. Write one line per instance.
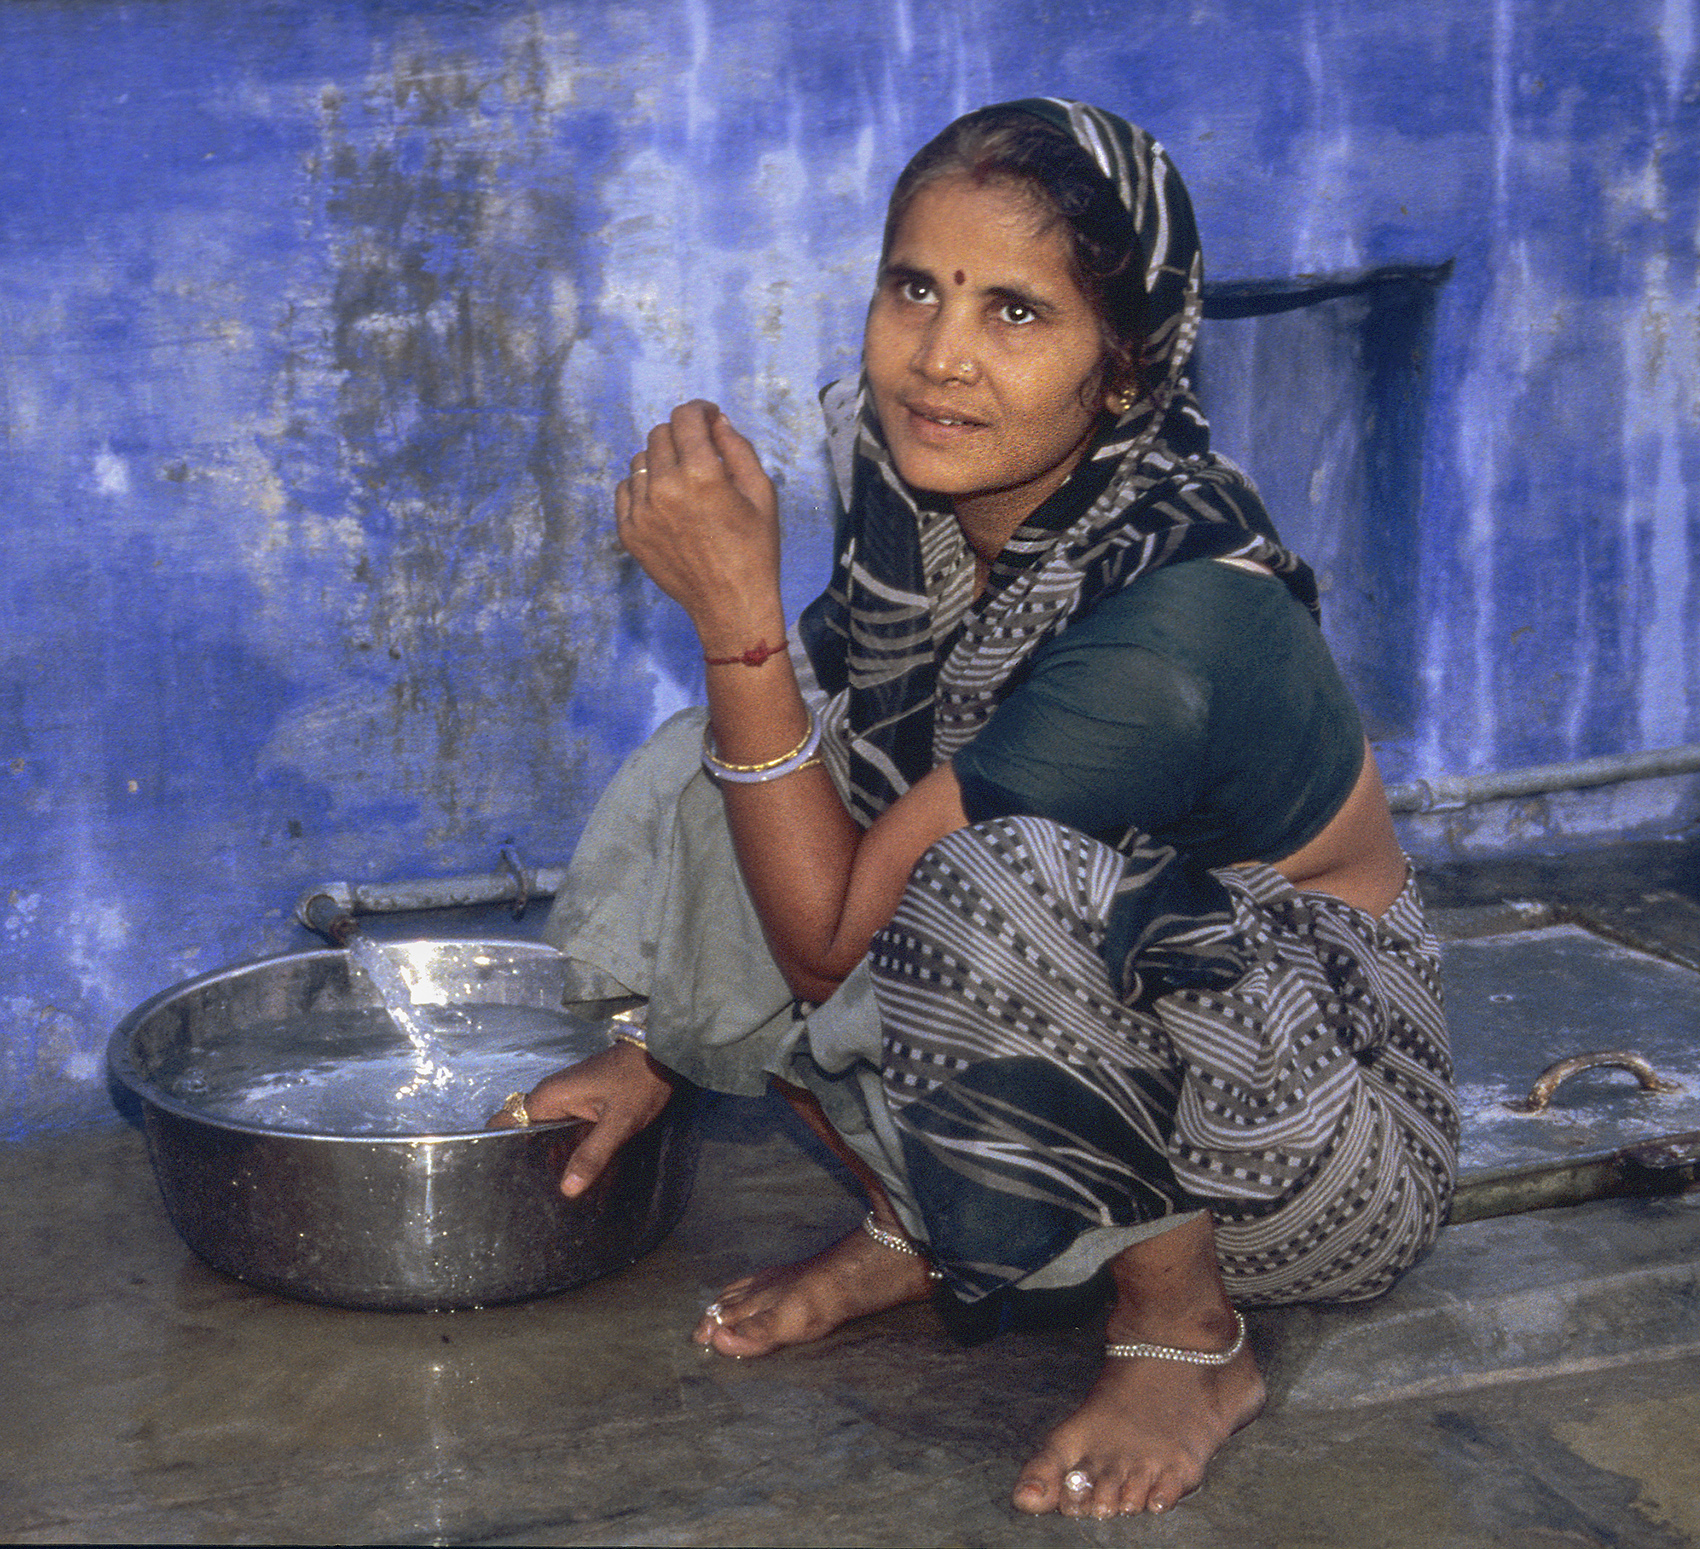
(429, 1070)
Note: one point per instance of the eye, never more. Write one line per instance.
(1017, 314)
(917, 292)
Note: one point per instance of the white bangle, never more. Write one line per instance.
(734, 775)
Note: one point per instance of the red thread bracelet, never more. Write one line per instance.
(754, 657)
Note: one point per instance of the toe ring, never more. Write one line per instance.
(1076, 1482)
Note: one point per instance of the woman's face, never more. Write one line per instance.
(985, 358)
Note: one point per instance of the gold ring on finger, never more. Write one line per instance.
(515, 1109)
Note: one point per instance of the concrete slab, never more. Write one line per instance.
(1521, 1002)
(1580, 1289)
(1645, 894)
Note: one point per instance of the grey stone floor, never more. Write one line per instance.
(1535, 1382)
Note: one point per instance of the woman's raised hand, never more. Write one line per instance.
(699, 514)
(621, 1091)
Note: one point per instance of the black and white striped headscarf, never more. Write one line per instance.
(914, 664)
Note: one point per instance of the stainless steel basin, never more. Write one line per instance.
(395, 1222)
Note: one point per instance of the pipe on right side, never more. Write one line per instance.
(1449, 793)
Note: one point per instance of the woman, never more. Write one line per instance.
(1054, 885)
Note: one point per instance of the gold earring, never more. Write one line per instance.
(1121, 402)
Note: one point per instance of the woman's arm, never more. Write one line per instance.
(699, 514)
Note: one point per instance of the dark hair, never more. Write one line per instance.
(1005, 144)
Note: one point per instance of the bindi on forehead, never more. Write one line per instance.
(961, 278)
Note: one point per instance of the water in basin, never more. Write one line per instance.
(358, 1072)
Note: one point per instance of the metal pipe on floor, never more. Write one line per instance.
(1451, 793)
(1667, 1165)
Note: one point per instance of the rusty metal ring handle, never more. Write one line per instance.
(1550, 1079)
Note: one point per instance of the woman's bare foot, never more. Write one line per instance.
(1143, 1436)
(1150, 1426)
(795, 1303)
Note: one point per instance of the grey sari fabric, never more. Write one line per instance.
(653, 905)
(1280, 1059)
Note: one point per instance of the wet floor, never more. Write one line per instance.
(1535, 1382)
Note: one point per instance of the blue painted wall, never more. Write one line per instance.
(324, 327)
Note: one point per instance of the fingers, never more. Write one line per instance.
(622, 508)
(744, 468)
(596, 1150)
(515, 1113)
(699, 515)
(689, 439)
(661, 451)
(620, 1091)
(682, 443)
(690, 442)
(627, 494)
(730, 444)
(698, 441)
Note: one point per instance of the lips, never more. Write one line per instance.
(938, 424)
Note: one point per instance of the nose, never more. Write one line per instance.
(945, 351)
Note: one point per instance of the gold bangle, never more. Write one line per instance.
(772, 763)
(636, 1040)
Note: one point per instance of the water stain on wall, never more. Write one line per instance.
(473, 599)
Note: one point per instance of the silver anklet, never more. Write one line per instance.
(897, 1244)
(1169, 1353)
